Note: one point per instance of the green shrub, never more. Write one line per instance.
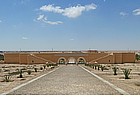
(35, 69)
(102, 68)
(115, 70)
(1, 57)
(7, 78)
(41, 68)
(95, 66)
(20, 74)
(98, 66)
(44, 66)
(137, 57)
(29, 72)
(126, 73)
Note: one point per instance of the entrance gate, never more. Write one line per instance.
(71, 60)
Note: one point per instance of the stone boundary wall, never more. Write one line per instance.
(88, 57)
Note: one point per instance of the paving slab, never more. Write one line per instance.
(67, 80)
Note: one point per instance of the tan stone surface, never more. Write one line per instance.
(132, 85)
(89, 57)
(6, 86)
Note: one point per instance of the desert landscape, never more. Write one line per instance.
(130, 85)
(13, 75)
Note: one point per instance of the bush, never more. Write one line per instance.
(20, 74)
(7, 78)
(35, 69)
(95, 66)
(29, 72)
(44, 66)
(126, 73)
(102, 68)
(115, 70)
(98, 66)
(41, 68)
(1, 57)
(137, 57)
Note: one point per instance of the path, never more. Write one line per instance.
(67, 80)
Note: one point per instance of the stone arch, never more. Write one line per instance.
(71, 60)
(81, 60)
(62, 60)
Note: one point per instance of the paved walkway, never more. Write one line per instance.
(67, 80)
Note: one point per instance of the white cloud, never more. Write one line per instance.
(0, 21)
(54, 23)
(51, 8)
(40, 17)
(123, 13)
(44, 19)
(71, 12)
(136, 12)
(24, 38)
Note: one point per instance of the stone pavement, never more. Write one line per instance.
(67, 80)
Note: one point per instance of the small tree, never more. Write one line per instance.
(44, 66)
(35, 69)
(19, 71)
(20, 74)
(7, 78)
(102, 68)
(98, 66)
(95, 66)
(137, 57)
(126, 73)
(115, 70)
(41, 68)
(29, 72)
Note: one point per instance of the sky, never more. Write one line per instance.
(45, 25)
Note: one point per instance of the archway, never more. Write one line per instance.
(81, 60)
(62, 60)
(71, 60)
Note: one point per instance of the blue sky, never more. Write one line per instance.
(44, 25)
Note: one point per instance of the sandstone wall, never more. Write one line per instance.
(41, 58)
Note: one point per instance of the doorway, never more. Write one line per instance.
(71, 60)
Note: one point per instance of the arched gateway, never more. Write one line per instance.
(71, 60)
(72, 57)
(81, 60)
(62, 60)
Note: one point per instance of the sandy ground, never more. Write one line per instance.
(132, 85)
(14, 80)
(67, 80)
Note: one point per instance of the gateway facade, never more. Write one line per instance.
(69, 57)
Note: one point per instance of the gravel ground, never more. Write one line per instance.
(131, 86)
(67, 80)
